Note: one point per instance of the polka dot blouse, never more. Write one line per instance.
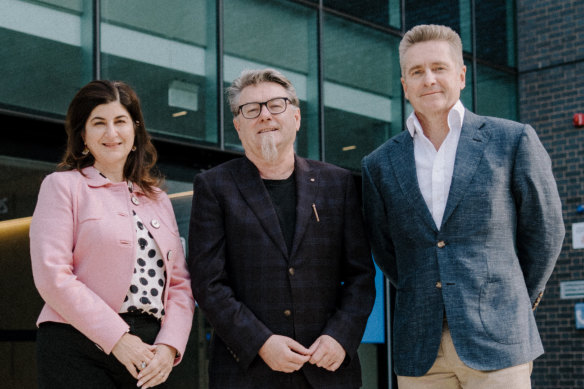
(148, 280)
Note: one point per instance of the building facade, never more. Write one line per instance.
(524, 60)
(551, 90)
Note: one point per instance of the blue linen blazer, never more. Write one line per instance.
(486, 266)
(248, 285)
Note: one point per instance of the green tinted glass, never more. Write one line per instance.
(168, 54)
(362, 90)
(255, 38)
(42, 54)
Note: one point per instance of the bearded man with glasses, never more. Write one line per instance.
(279, 261)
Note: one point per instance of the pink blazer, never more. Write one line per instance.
(83, 245)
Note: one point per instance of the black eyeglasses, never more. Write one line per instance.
(275, 106)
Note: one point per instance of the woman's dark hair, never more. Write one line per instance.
(140, 164)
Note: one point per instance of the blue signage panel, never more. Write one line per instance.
(579, 314)
(375, 330)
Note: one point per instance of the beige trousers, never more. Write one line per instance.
(449, 372)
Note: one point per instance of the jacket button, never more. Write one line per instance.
(135, 200)
(291, 271)
(287, 313)
(439, 285)
(155, 223)
(170, 255)
(441, 244)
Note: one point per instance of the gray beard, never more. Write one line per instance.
(269, 149)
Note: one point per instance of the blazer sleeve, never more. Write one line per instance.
(179, 306)
(357, 294)
(52, 232)
(375, 224)
(239, 328)
(540, 227)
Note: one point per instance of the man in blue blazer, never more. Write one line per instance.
(278, 253)
(465, 220)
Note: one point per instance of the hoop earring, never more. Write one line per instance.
(85, 151)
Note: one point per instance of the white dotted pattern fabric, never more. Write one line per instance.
(148, 280)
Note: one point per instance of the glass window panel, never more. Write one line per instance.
(384, 12)
(70, 5)
(362, 90)
(496, 40)
(465, 17)
(281, 35)
(455, 14)
(168, 55)
(432, 12)
(20, 181)
(466, 95)
(496, 93)
(43, 35)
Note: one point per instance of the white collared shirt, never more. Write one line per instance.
(434, 168)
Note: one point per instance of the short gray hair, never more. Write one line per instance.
(430, 32)
(255, 77)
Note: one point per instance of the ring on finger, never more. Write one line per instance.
(143, 365)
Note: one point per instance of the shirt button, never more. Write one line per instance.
(287, 313)
(291, 271)
(441, 244)
(170, 255)
(135, 200)
(439, 285)
(155, 223)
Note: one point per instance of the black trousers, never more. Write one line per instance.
(68, 359)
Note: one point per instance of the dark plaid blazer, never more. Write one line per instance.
(248, 285)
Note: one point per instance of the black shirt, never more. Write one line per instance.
(283, 195)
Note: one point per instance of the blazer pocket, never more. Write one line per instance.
(504, 309)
